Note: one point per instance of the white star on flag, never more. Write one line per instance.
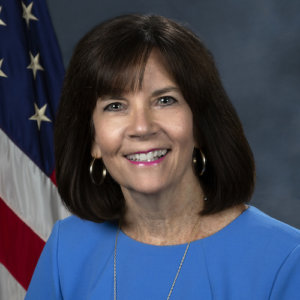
(39, 115)
(35, 64)
(2, 74)
(27, 15)
(1, 22)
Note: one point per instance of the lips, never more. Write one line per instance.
(149, 156)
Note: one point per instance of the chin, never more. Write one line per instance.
(147, 189)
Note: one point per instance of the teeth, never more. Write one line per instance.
(150, 156)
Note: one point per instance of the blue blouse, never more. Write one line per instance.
(254, 257)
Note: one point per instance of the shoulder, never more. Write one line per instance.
(74, 226)
(254, 241)
(69, 257)
(256, 234)
(279, 244)
(83, 249)
(74, 233)
(267, 228)
(276, 248)
(259, 252)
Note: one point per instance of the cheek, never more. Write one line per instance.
(182, 127)
(108, 137)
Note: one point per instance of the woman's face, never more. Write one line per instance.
(145, 138)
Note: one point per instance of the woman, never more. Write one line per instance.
(152, 159)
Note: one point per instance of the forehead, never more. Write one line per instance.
(156, 74)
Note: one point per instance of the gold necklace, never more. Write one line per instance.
(115, 267)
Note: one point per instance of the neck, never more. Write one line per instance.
(172, 218)
(164, 218)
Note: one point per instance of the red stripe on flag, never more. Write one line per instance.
(20, 246)
(52, 177)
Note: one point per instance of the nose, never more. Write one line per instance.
(142, 124)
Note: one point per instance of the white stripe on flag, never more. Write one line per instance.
(9, 286)
(27, 190)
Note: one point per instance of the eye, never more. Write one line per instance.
(115, 106)
(166, 100)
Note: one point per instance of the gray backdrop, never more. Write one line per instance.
(256, 45)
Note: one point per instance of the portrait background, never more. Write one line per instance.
(256, 45)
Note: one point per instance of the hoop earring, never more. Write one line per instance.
(203, 162)
(92, 176)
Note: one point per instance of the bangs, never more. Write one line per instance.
(122, 69)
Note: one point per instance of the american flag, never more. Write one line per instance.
(31, 74)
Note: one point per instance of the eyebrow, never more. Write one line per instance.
(165, 90)
(111, 97)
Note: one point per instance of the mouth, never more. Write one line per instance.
(149, 156)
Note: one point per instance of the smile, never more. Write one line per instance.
(150, 156)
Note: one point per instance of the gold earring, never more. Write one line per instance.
(203, 162)
(91, 173)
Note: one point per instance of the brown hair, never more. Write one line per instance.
(112, 58)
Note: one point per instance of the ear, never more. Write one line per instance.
(96, 152)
